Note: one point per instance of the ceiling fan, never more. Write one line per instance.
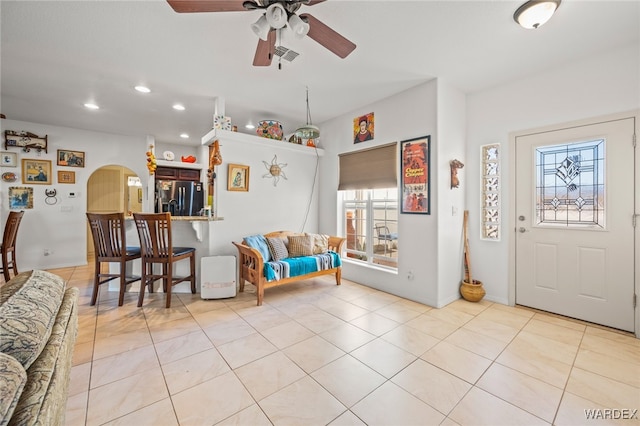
(277, 15)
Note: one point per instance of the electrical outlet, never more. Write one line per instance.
(410, 276)
(47, 252)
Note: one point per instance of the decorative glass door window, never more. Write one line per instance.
(490, 167)
(570, 184)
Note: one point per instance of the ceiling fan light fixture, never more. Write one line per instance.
(298, 26)
(276, 16)
(535, 13)
(261, 27)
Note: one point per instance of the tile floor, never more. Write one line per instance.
(320, 354)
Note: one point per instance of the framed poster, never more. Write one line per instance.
(65, 176)
(20, 197)
(36, 171)
(238, 178)
(363, 128)
(9, 159)
(70, 158)
(415, 186)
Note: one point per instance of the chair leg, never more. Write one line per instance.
(143, 283)
(5, 266)
(168, 277)
(123, 283)
(14, 263)
(192, 261)
(96, 285)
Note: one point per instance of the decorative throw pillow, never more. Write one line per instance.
(259, 243)
(300, 245)
(277, 248)
(320, 243)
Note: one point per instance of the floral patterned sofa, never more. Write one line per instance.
(38, 329)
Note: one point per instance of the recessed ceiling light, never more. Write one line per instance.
(184, 136)
(143, 89)
(179, 107)
(250, 126)
(91, 106)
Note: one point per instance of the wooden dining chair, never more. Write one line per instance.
(109, 240)
(154, 231)
(8, 247)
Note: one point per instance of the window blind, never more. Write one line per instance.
(369, 168)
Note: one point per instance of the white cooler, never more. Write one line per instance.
(218, 277)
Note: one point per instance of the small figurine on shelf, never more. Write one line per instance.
(151, 160)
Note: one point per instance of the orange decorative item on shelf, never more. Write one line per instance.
(151, 160)
(188, 159)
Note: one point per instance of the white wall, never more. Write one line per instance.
(448, 201)
(409, 114)
(61, 227)
(598, 85)
(264, 208)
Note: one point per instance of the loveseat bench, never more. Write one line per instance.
(283, 257)
(38, 329)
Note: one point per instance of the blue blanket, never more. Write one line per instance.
(296, 266)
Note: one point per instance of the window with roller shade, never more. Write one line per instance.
(368, 187)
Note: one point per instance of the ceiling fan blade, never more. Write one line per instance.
(327, 37)
(264, 51)
(191, 6)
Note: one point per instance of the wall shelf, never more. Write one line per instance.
(179, 164)
(228, 136)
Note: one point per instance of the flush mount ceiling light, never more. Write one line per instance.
(308, 131)
(535, 13)
(89, 105)
(179, 107)
(142, 89)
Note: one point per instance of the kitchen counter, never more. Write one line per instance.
(187, 231)
(196, 218)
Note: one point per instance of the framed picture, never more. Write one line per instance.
(363, 128)
(65, 176)
(238, 179)
(20, 197)
(414, 163)
(36, 171)
(70, 158)
(9, 159)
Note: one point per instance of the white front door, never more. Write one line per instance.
(574, 222)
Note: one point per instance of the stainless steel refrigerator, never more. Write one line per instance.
(180, 198)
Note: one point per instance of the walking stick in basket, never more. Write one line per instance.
(467, 257)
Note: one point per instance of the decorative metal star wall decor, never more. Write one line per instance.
(274, 170)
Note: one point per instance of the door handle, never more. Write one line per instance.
(522, 230)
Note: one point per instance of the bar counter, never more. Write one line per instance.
(186, 231)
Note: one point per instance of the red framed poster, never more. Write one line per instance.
(414, 163)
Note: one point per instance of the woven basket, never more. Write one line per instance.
(472, 292)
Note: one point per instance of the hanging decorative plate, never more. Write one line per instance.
(168, 155)
(270, 129)
(9, 177)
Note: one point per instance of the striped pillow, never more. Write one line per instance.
(277, 248)
(300, 245)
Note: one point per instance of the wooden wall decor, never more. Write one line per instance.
(24, 140)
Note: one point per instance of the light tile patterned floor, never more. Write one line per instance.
(320, 354)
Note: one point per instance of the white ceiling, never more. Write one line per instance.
(57, 55)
